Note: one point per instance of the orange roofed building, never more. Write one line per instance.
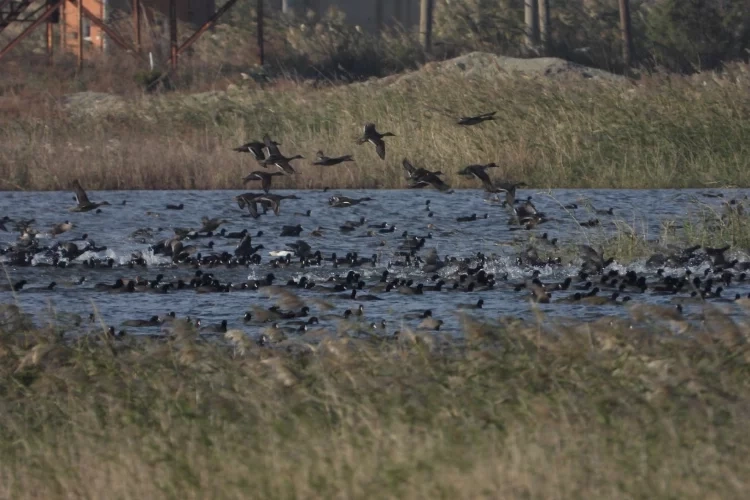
(195, 12)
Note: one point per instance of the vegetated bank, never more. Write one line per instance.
(558, 125)
(644, 406)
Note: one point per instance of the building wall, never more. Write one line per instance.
(92, 34)
(195, 12)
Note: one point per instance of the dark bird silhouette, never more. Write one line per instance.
(328, 161)
(421, 177)
(274, 157)
(82, 200)
(375, 138)
(251, 201)
(291, 230)
(474, 120)
(263, 177)
(415, 173)
(480, 172)
(430, 179)
(255, 148)
(345, 201)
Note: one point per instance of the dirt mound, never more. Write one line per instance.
(488, 66)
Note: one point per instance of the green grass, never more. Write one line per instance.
(663, 132)
(563, 409)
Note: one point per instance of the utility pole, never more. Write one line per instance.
(50, 42)
(261, 49)
(531, 18)
(137, 24)
(379, 16)
(80, 35)
(425, 24)
(544, 25)
(172, 32)
(63, 28)
(626, 32)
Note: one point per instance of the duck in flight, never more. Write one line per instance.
(477, 119)
(415, 173)
(255, 148)
(264, 177)
(327, 161)
(480, 172)
(375, 138)
(251, 200)
(82, 200)
(274, 157)
(421, 177)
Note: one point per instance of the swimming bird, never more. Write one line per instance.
(345, 201)
(82, 200)
(175, 207)
(375, 138)
(263, 177)
(327, 161)
(291, 230)
(430, 323)
(474, 120)
(63, 227)
(153, 321)
(210, 225)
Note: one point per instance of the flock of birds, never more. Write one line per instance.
(593, 283)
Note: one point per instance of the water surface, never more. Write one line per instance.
(643, 210)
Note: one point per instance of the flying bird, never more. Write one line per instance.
(82, 200)
(474, 120)
(375, 138)
(328, 161)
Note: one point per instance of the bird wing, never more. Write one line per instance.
(266, 182)
(273, 149)
(81, 197)
(408, 167)
(379, 147)
(252, 207)
(481, 174)
(274, 203)
(244, 246)
(369, 129)
(439, 183)
(285, 166)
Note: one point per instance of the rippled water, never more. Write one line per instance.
(644, 210)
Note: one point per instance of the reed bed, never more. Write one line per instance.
(658, 132)
(647, 406)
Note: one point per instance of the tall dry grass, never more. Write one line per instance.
(663, 132)
(614, 408)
